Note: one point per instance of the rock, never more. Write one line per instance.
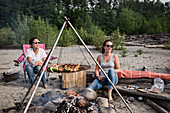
(35, 109)
(58, 101)
(130, 99)
(50, 107)
(144, 68)
(45, 98)
(106, 110)
(88, 94)
(102, 102)
(12, 74)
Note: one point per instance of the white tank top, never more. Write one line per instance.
(106, 65)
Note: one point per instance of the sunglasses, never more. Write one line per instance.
(36, 42)
(109, 46)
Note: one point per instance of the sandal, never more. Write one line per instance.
(111, 106)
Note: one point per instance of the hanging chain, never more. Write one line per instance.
(84, 56)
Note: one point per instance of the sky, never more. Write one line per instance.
(163, 1)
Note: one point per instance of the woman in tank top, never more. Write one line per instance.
(111, 65)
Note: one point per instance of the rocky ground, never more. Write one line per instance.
(155, 59)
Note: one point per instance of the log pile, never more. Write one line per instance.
(155, 40)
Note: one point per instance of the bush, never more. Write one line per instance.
(98, 38)
(140, 51)
(26, 27)
(7, 37)
(136, 55)
(167, 45)
(68, 38)
(117, 39)
(124, 52)
(44, 31)
(85, 36)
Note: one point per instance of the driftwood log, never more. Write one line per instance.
(154, 46)
(164, 104)
(158, 108)
(135, 80)
(161, 96)
(132, 44)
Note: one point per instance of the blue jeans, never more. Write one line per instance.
(31, 71)
(97, 84)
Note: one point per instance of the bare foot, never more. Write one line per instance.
(33, 87)
(46, 86)
(112, 106)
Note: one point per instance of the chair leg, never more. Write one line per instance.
(25, 83)
(47, 75)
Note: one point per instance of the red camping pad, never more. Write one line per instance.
(142, 74)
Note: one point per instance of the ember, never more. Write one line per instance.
(74, 104)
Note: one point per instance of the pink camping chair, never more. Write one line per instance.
(23, 56)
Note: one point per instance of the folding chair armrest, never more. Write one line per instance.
(16, 63)
(52, 58)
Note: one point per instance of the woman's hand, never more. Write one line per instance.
(38, 63)
(100, 78)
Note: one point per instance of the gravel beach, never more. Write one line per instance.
(155, 59)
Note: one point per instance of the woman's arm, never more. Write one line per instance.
(97, 73)
(117, 63)
(97, 67)
(39, 63)
(29, 60)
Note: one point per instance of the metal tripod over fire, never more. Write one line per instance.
(42, 70)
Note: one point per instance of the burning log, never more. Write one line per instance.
(66, 107)
(82, 103)
(74, 104)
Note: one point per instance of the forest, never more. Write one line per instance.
(93, 19)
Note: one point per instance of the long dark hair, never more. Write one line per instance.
(104, 44)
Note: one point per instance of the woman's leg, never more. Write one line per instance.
(113, 77)
(96, 84)
(36, 69)
(110, 95)
(30, 71)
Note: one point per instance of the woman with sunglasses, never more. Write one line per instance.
(35, 57)
(111, 65)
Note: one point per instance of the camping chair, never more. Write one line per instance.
(22, 59)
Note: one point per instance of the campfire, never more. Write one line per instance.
(84, 102)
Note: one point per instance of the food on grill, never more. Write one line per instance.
(65, 68)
